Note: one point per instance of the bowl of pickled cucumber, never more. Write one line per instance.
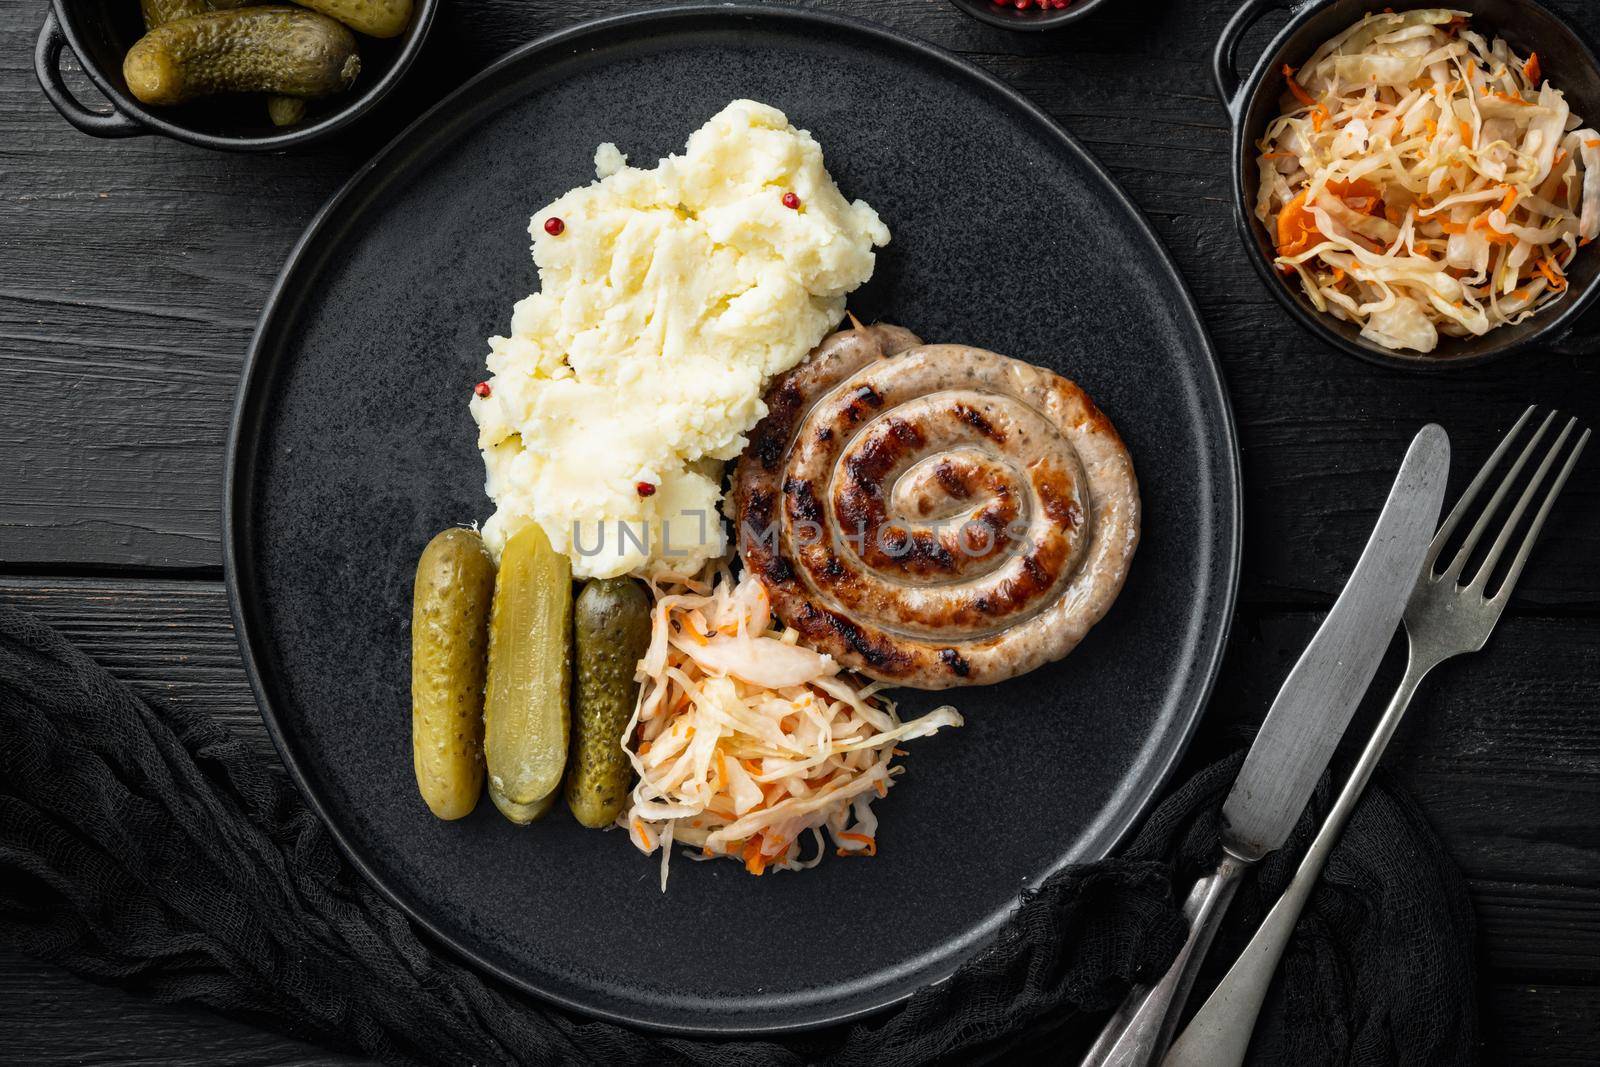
(229, 74)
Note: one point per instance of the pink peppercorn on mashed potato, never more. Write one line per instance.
(668, 298)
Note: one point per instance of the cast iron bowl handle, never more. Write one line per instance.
(1225, 60)
(47, 66)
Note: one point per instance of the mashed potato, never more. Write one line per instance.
(667, 300)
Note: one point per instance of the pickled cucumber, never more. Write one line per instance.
(282, 110)
(285, 110)
(611, 630)
(530, 650)
(522, 814)
(285, 50)
(449, 659)
(161, 12)
(375, 18)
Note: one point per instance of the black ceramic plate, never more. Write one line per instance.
(352, 445)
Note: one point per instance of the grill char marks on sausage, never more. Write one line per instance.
(976, 514)
(777, 570)
(951, 482)
(1054, 489)
(756, 513)
(861, 402)
(954, 660)
(759, 484)
(859, 503)
(803, 503)
(771, 436)
(877, 654)
(974, 418)
(859, 500)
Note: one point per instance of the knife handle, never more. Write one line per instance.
(1140, 1030)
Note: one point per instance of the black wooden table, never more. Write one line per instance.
(131, 274)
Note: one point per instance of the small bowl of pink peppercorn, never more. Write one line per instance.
(1027, 14)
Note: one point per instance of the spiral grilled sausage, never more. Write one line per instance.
(934, 515)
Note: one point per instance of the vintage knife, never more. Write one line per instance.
(1296, 740)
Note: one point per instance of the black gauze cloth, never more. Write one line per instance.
(146, 846)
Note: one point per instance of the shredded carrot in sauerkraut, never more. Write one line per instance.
(1423, 181)
(749, 745)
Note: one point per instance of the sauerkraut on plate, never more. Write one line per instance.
(749, 745)
(1425, 180)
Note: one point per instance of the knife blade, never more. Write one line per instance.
(1321, 693)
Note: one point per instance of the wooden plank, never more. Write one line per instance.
(53, 1017)
(171, 640)
(130, 279)
(1539, 1025)
(1502, 748)
(1538, 932)
(133, 272)
(1507, 773)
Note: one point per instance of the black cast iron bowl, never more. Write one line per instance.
(1008, 17)
(1253, 101)
(100, 32)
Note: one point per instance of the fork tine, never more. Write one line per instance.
(1538, 520)
(1454, 570)
(1510, 525)
(1459, 512)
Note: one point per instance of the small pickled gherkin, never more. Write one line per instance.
(449, 657)
(375, 18)
(284, 50)
(611, 631)
(161, 12)
(282, 110)
(530, 649)
(285, 110)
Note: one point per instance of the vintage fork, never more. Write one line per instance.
(1444, 618)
